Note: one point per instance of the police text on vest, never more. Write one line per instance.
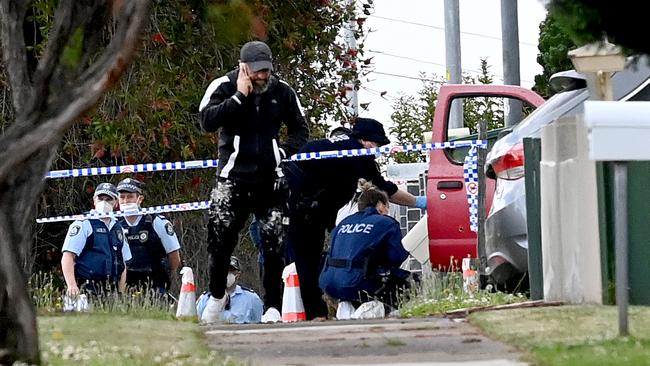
(355, 228)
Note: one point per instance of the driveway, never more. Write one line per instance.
(420, 341)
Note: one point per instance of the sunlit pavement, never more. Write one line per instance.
(421, 341)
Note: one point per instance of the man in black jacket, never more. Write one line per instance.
(248, 107)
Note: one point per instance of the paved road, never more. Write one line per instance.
(422, 341)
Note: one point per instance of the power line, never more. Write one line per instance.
(383, 95)
(400, 76)
(433, 63)
(406, 58)
(442, 28)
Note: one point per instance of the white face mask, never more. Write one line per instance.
(103, 207)
(230, 280)
(129, 206)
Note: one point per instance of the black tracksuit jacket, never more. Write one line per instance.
(249, 127)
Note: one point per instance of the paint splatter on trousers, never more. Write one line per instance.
(231, 204)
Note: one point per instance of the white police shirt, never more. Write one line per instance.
(165, 231)
(78, 233)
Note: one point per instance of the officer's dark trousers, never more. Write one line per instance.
(147, 281)
(231, 204)
(97, 288)
(389, 290)
(305, 240)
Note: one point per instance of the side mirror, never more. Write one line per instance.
(567, 80)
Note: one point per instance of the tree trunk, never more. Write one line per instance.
(28, 145)
(18, 196)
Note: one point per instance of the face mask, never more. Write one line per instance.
(103, 207)
(129, 206)
(230, 280)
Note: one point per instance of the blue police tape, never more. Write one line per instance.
(190, 206)
(201, 164)
(470, 175)
(135, 168)
(386, 150)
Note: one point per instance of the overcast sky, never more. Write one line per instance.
(403, 48)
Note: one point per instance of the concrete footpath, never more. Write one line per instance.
(421, 341)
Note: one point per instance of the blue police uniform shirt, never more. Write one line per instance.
(78, 233)
(165, 231)
(361, 244)
(245, 307)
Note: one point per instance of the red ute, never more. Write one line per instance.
(447, 208)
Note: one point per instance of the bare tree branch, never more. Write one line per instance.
(12, 15)
(69, 16)
(105, 72)
(59, 35)
(43, 113)
(113, 48)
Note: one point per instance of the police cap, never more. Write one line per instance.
(106, 189)
(234, 263)
(369, 129)
(130, 185)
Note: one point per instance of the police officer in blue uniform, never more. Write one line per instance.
(366, 253)
(95, 250)
(153, 242)
(243, 304)
(319, 188)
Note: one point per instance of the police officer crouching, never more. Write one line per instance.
(154, 244)
(95, 250)
(366, 253)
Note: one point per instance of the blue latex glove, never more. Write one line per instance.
(421, 201)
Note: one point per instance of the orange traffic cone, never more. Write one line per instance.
(293, 309)
(187, 298)
(471, 278)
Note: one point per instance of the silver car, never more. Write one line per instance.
(505, 226)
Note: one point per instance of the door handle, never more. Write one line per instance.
(450, 184)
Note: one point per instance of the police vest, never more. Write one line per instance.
(363, 244)
(147, 251)
(101, 259)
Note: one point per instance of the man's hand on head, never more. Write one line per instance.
(244, 84)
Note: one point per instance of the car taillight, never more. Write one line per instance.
(510, 166)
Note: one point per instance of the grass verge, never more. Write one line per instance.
(582, 335)
(440, 292)
(112, 339)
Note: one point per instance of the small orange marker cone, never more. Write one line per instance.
(293, 309)
(187, 298)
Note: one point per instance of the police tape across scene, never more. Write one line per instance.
(189, 206)
(470, 175)
(201, 164)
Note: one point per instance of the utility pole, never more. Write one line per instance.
(510, 47)
(351, 57)
(452, 58)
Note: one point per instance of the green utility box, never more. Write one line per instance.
(533, 155)
(638, 201)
